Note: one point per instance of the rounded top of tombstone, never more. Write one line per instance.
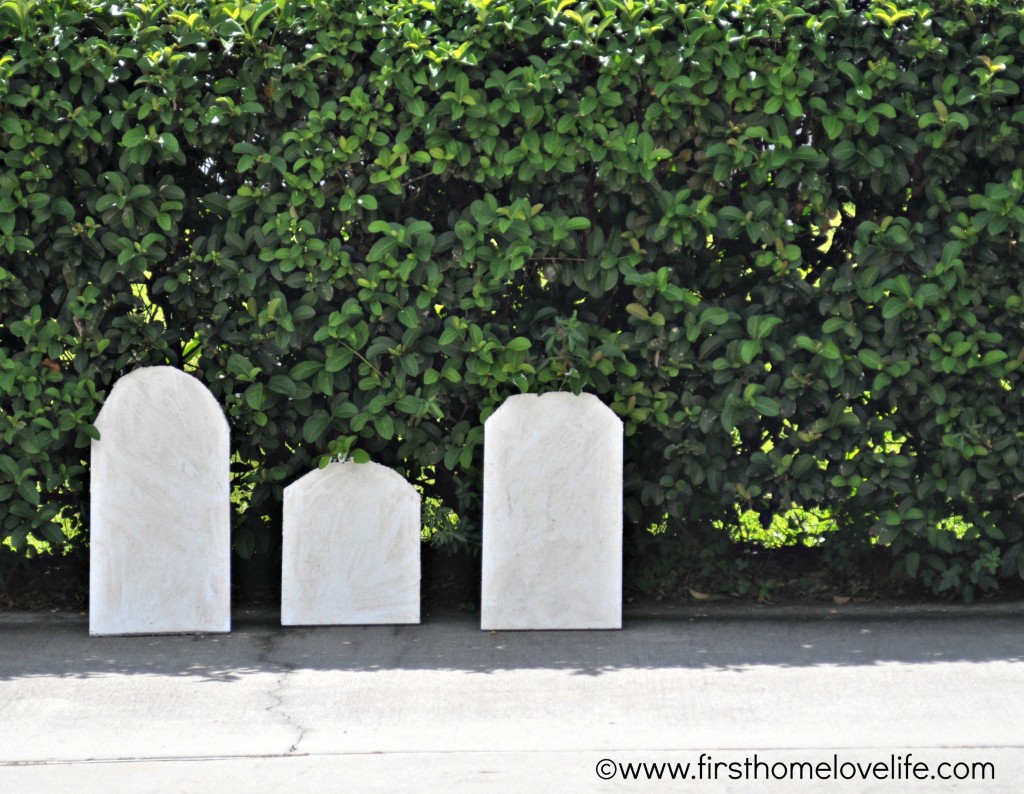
(157, 382)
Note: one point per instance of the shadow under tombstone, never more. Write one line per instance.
(56, 646)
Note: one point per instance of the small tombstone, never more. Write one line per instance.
(351, 550)
(552, 523)
(160, 532)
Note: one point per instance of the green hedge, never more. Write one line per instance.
(780, 242)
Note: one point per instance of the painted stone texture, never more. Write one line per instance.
(351, 550)
(160, 533)
(552, 523)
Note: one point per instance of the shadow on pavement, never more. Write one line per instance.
(59, 646)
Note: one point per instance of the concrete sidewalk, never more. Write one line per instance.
(446, 707)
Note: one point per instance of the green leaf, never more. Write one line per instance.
(482, 213)
(261, 14)
(893, 307)
(715, 315)
(408, 317)
(337, 359)
(518, 343)
(134, 137)
(410, 404)
(11, 125)
(304, 370)
(844, 150)
(385, 427)
(29, 492)
(51, 533)
(169, 143)
(833, 127)
(384, 247)
(410, 365)
(106, 201)
(18, 536)
(324, 382)
(830, 351)
(645, 145)
(8, 466)
(806, 343)
(870, 358)
(240, 366)
(255, 397)
(833, 324)
(876, 158)
(994, 357)
(766, 406)
(315, 426)
(763, 326)
(282, 384)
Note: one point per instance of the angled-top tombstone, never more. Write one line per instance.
(552, 527)
(160, 537)
(351, 552)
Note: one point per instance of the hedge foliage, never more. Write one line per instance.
(779, 239)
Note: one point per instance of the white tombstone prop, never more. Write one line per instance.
(351, 552)
(552, 514)
(160, 526)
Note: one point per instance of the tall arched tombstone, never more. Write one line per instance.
(160, 526)
(351, 548)
(552, 525)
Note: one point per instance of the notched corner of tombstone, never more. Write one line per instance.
(552, 516)
(351, 548)
(585, 400)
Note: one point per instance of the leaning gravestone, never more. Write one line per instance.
(552, 526)
(160, 536)
(351, 551)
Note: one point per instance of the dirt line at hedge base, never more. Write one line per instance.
(779, 579)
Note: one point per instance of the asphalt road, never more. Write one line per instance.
(446, 707)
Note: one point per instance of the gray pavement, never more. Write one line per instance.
(443, 706)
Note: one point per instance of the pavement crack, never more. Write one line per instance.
(277, 707)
